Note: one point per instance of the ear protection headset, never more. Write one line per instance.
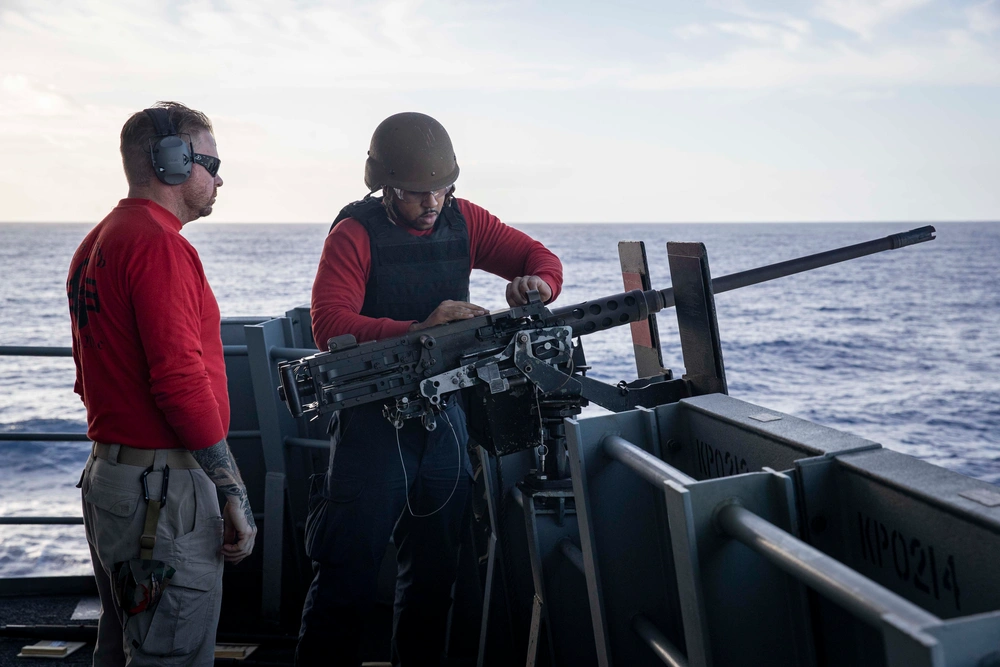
(172, 156)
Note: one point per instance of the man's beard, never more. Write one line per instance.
(204, 208)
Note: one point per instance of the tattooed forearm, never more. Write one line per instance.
(218, 462)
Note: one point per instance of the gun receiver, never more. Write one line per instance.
(525, 345)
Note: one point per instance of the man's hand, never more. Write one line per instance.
(450, 311)
(239, 535)
(239, 529)
(517, 290)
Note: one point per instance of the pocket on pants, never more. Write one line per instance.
(83, 473)
(185, 617)
(111, 499)
(180, 624)
(197, 555)
(113, 518)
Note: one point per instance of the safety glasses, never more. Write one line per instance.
(411, 197)
(210, 163)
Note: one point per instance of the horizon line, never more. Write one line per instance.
(572, 222)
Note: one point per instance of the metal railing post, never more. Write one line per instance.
(855, 592)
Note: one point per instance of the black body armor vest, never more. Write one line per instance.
(411, 275)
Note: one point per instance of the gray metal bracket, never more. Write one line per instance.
(645, 335)
(694, 302)
(266, 343)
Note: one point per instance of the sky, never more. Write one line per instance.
(560, 111)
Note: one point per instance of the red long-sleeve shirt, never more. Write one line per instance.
(339, 289)
(146, 341)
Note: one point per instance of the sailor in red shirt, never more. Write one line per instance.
(392, 264)
(146, 334)
(345, 265)
(150, 369)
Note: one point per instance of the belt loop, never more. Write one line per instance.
(159, 459)
(113, 454)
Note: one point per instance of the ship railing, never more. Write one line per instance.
(250, 366)
(728, 530)
(661, 646)
(866, 599)
(52, 436)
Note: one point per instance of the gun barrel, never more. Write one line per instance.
(395, 367)
(810, 262)
(618, 309)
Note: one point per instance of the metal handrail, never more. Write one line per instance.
(71, 437)
(41, 436)
(642, 462)
(52, 351)
(870, 601)
(855, 592)
(41, 520)
(573, 554)
(34, 351)
(37, 436)
(658, 642)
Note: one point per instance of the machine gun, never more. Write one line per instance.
(524, 360)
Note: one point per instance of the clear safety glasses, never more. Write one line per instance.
(411, 197)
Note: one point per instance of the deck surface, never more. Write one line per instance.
(58, 610)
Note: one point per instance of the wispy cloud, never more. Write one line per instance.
(984, 18)
(788, 38)
(955, 60)
(409, 45)
(864, 16)
(295, 87)
(775, 50)
(23, 96)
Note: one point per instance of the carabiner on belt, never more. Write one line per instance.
(163, 487)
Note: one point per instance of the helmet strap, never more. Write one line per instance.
(389, 204)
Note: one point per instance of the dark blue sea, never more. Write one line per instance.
(902, 347)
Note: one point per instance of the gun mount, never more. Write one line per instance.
(502, 350)
(529, 344)
(529, 359)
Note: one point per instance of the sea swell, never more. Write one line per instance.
(900, 348)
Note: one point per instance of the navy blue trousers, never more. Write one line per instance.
(356, 507)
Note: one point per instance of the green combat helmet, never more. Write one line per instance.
(411, 151)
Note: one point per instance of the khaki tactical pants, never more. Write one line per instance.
(180, 630)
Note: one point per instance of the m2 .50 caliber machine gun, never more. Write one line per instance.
(520, 368)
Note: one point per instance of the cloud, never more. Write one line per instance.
(864, 16)
(833, 70)
(777, 51)
(984, 18)
(782, 59)
(22, 96)
(407, 45)
(296, 86)
(29, 108)
(691, 31)
(788, 39)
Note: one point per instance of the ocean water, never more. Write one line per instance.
(901, 347)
